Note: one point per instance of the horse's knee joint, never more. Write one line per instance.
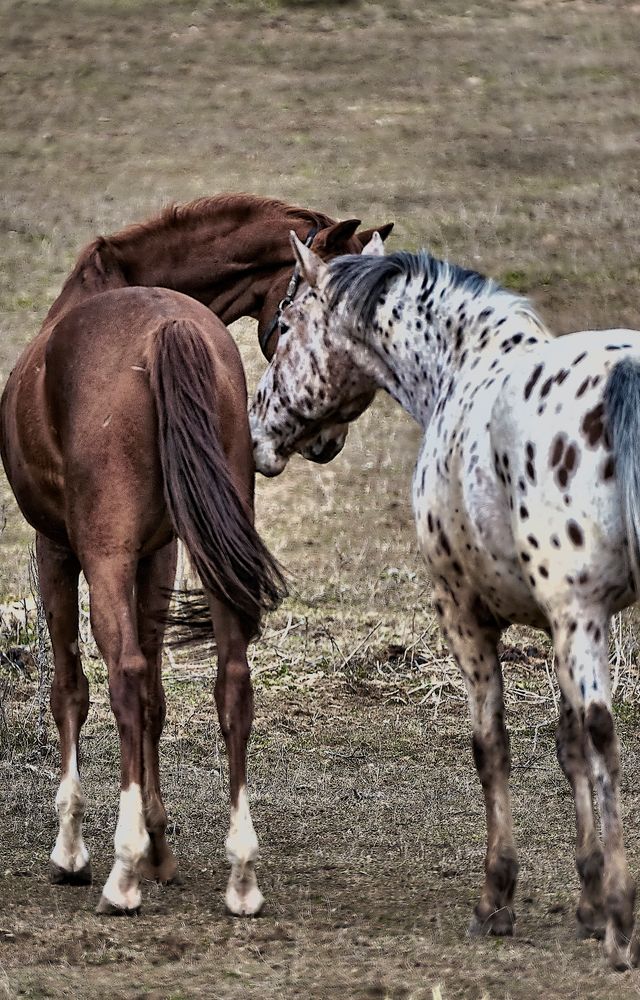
(238, 673)
(233, 684)
(134, 665)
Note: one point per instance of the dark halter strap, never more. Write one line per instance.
(289, 296)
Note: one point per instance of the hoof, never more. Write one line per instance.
(622, 956)
(244, 904)
(60, 876)
(108, 909)
(499, 923)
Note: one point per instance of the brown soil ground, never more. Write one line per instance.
(371, 827)
(503, 134)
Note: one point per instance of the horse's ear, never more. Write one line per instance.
(311, 266)
(364, 236)
(334, 237)
(375, 246)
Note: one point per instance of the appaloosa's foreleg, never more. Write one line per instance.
(472, 639)
(234, 700)
(113, 620)
(154, 581)
(58, 571)
(571, 746)
(580, 640)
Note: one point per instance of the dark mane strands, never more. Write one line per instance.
(361, 281)
(194, 213)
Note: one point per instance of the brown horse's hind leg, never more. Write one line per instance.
(571, 747)
(113, 620)
(473, 642)
(234, 699)
(58, 570)
(154, 581)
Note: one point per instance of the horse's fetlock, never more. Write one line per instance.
(502, 872)
(155, 815)
(620, 901)
(133, 667)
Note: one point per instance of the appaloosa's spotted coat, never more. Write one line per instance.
(526, 503)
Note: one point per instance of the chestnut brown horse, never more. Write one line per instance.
(124, 426)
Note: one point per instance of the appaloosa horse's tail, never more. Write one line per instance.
(208, 514)
(622, 411)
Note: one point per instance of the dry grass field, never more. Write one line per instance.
(501, 133)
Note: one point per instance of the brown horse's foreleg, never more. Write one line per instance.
(154, 581)
(234, 699)
(473, 644)
(582, 655)
(113, 620)
(58, 571)
(571, 749)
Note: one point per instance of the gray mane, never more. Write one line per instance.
(361, 281)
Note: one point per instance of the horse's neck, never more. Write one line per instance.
(201, 262)
(418, 358)
(225, 261)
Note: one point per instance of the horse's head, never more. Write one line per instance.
(331, 241)
(312, 389)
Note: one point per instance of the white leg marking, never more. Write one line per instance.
(243, 897)
(132, 842)
(69, 851)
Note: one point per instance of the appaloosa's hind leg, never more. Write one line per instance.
(234, 699)
(58, 571)
(571, 745)
(155, 578)
(113, 620)
(580, 639)
(472, 638)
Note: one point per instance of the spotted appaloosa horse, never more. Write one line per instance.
(124, 425)
(526, 496)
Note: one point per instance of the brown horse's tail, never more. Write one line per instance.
(206, 511)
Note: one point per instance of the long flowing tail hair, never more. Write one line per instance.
(206, 510)
(622, 412)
